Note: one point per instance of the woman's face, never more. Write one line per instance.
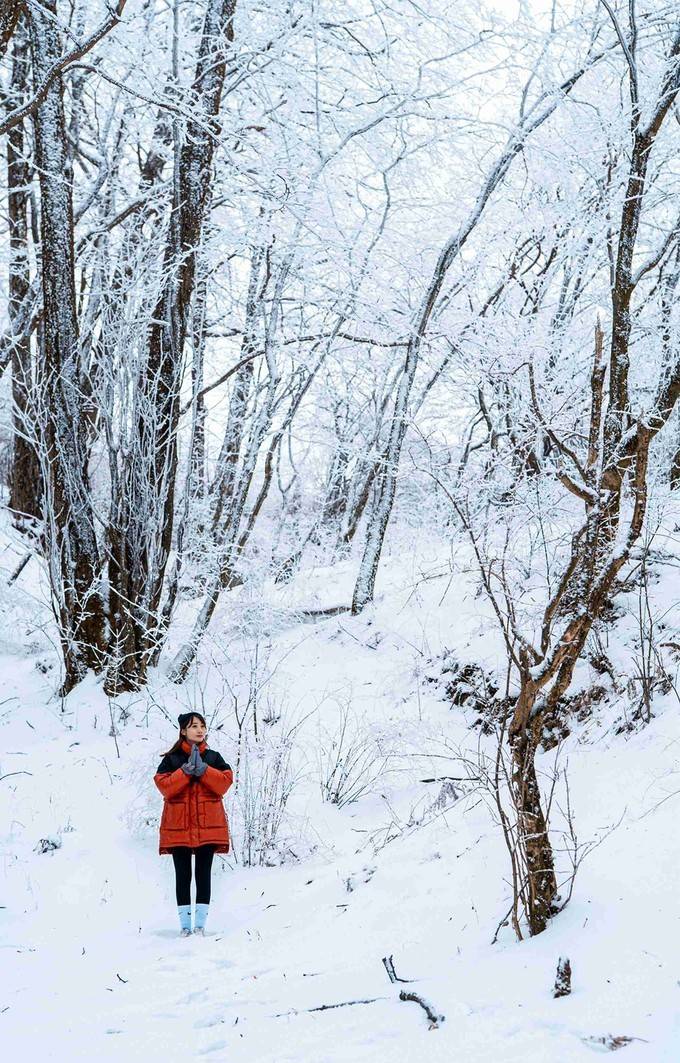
(195, 731)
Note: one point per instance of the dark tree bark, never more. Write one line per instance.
(60, 61)
(675, 471)
(67, 511)
(25, 483)
(10, 12)
(198, 485)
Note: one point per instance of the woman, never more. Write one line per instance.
(193, 780)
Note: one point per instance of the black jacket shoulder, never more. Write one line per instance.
(172, 761)
(218, 762)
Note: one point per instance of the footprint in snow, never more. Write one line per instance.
(193, 996)
(216, 1047)
(203, 1024)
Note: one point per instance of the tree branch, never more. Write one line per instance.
(31, 107)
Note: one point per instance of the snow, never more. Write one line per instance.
(346, 152)
(92, 964)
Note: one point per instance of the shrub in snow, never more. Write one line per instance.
(351, 760)
(261, 829)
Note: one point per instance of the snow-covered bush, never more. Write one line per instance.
(352, 760)
(262, 831)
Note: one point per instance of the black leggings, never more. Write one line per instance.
(181, 855)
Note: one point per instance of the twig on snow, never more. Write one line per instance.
(308, 615)
(391, 973)
(328, 1007)
(435, 1019)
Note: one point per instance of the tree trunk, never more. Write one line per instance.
(675, 470)
(195, 480)
(532, 829)
(10, 13)
(151, 484)
(25, 483)
(358, 507)
(67, 512)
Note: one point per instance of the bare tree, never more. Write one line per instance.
(25, 492)
(71, 541)
(386, 479)
(142, 536)
(612, 470)
(606, 469)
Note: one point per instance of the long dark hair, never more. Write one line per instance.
(190, 720)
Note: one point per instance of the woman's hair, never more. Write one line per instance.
(185, 720)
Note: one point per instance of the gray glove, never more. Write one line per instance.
(199, 764)
(190, 767)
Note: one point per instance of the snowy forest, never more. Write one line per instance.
(340, 404)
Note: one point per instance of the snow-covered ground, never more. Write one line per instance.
(291, 969)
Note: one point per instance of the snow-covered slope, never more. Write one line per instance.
(291, 969)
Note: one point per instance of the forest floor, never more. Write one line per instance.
(291, 967)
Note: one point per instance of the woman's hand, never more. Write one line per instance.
(192, 763)
(199, 764)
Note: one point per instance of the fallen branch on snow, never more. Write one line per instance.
(328, 1007)
(611, 1042)
(391, 973)
(432, 1015)
(310, 615)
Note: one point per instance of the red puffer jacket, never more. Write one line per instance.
(193, 813)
